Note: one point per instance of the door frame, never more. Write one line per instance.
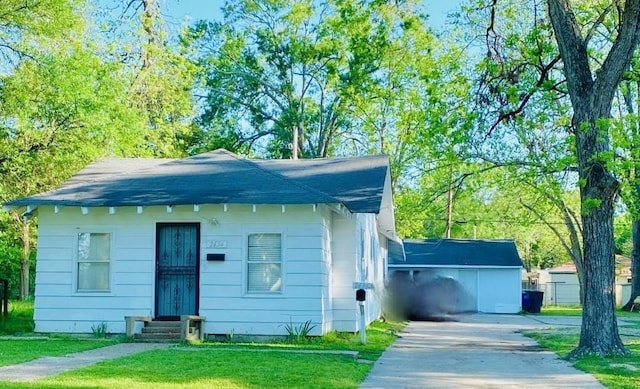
(158, 225)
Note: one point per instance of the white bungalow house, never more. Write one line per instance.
(251, 245)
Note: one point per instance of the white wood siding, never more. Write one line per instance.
(223, 299)
(359, 255)
(327, 301)
(372, 260)
(343, 273)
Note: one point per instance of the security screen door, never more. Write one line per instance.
(177, 260)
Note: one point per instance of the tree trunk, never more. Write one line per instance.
(635, 265)
(599, 333)
(24, 279)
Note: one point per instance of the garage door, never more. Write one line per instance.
(469, 280)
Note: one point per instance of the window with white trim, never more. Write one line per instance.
(94, 258)
(264, 263)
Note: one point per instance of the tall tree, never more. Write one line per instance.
(591, 94)
(61, 106)
(58, 114)
(159, 70)
(27, 26)
(279, 70)
(589, 76)
(28, 30)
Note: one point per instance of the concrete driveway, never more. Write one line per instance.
(478, 351)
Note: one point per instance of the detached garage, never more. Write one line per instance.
(442, 276)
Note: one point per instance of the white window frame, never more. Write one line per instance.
(249, 262)
(79, 261)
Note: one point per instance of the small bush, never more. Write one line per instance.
(299, 333)
(99, 330)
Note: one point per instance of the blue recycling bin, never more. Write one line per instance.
(525, 301)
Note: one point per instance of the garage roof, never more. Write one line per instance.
(457, 252)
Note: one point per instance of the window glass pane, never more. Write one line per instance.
(264, 277)
(264, 268)
(94, 252)
(264, 247)
(93, 276)
(93, 247)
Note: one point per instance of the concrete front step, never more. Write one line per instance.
(163, 323)
(159, 331)
(154, 340)
(158, 336)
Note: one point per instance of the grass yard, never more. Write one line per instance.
(20, 319)
(206, 365)
(19, 323)
(561, 310)
(614, 372)
(576, 310)
(379, 336)
(14, 351)
(211, 368)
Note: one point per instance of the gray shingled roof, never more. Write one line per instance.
(457, 252)
(222, 177)
(357, 182)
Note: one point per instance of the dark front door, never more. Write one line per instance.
(177, 259)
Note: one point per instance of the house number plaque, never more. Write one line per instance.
(217, 244)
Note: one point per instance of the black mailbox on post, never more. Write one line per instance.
(361, 295)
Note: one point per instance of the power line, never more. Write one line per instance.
(477, 221)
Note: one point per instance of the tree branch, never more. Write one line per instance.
(573, 49)
(621, 52)
(551, 226)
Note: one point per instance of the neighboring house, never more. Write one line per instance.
(485, 275)
(561, 286)
(252, 245)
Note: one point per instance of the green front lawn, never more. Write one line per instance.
(614, 372)
(14, 351)
(211, 368)
(215, 365)
(20, 322)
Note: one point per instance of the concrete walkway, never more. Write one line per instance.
(48, 366)
(478, 351)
